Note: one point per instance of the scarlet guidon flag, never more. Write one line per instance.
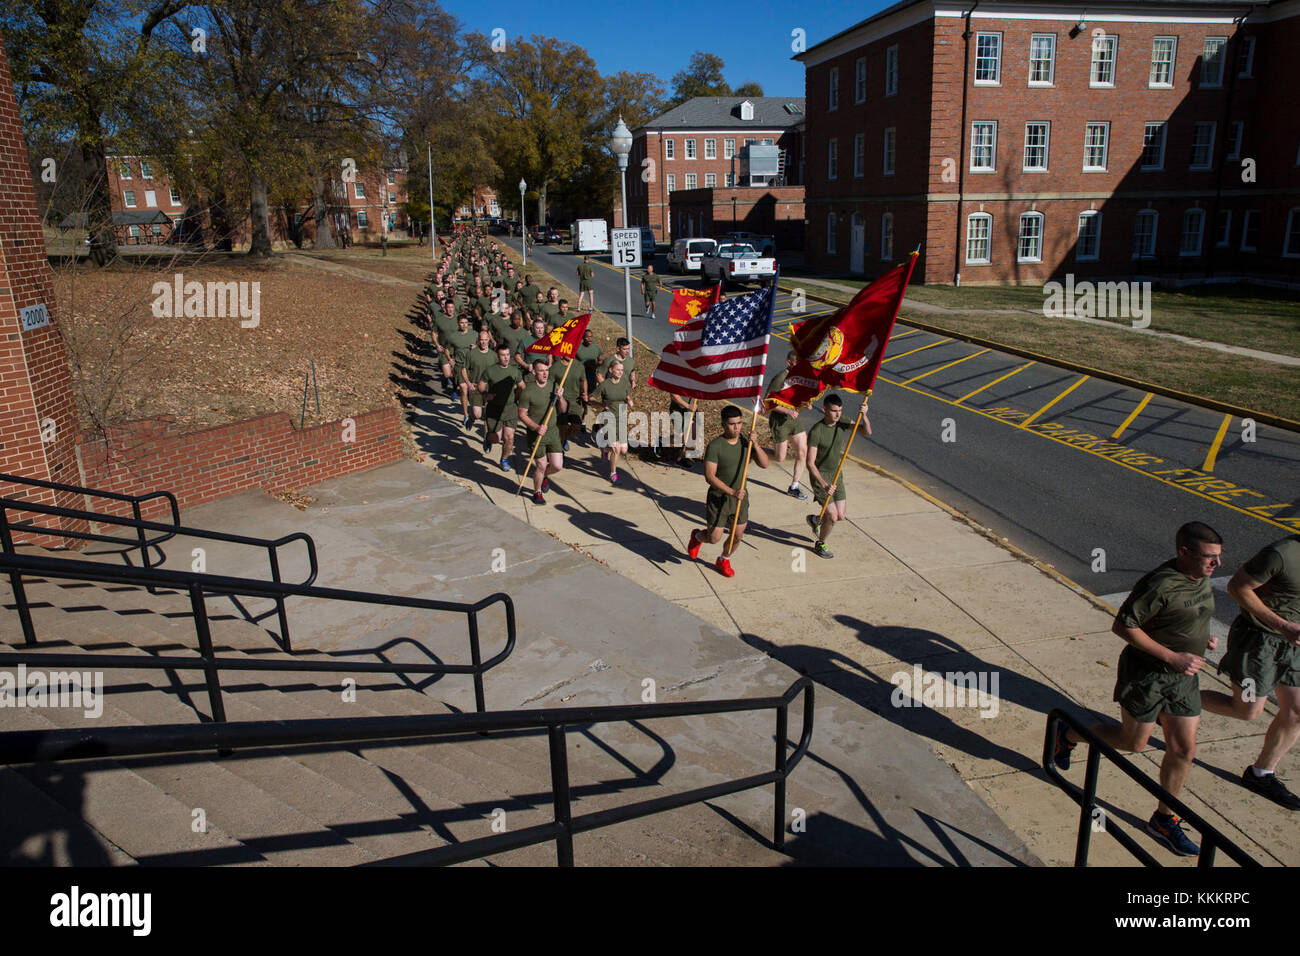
(563, 340)
(688, 303)
(844, 350)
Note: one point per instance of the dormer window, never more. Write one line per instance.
(747, 110)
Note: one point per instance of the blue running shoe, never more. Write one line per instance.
(505, 465)
(1168, 831)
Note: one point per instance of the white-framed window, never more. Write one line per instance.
(392, 200)
(1144, 234)
(983, 145)
(710, 180)
(1223, 229)
(859, 154)
(1088, 244)
(123, 170)
(1163, 52)
(133, 231)
(1291, 239)
(1250, 230)
(891, 70)
(1189, 243)
(358, 189)
(1236, 131)
(768, 141)
(1029, 242)
(670, 149)
(670, 182)
(710, 148)
(392, 179)
(860, 80)
(729, 148)
(833, 89)
(128, 198)
(887, 237)
(750, 141)
(1096, 146)
(151, 198)
(363, 219)
(156, 229)
(1036, 142)
(988, 58)
(1246, 57)
(979, 229)
(830, 233)
(1202, 145)
(146, 169)
(690, 149)
(731, 180)
(1212, 62)
(1102, 72)
(1153, 145)
(1042, 59)
(890, 145)
(832, 159)
(690, 181)
(175, 196)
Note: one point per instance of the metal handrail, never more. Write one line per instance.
(1086, 797)
(141, 526)
(197, 584)
(109, 742)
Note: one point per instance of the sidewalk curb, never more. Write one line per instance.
(1239, 411)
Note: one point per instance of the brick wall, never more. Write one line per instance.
(259, 453)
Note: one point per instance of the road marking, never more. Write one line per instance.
(1185, 485)
(1054, 401)
(914, 351)
(942, 367)
(992, 383)
(900, 335)
(1213, 453)
(1132, 415)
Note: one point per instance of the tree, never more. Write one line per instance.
(747, 89)
(703, 77)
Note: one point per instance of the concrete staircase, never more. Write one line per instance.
(321, 805)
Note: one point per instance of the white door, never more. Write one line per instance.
(150, 198)
(857, 245)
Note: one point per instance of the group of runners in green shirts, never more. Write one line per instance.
(480, 334)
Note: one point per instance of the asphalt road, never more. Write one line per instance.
(1091, 477)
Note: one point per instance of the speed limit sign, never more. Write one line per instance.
(625, 248)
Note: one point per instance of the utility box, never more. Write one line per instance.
(760, 165)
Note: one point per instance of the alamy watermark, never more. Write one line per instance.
(75, 689)
(645, 429)
(1099, 300)
(921, 688)
(208, 300)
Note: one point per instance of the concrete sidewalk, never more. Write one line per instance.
(911, 585)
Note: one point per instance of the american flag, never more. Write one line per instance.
(721, 353)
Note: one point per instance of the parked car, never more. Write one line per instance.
(737, 263)
(685, 254)
(647, 244)
(589, 235)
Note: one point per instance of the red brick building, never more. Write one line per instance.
(699, 145)
(1022, 141)
(358, 207)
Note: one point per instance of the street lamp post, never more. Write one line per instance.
(433, 232)
(523, 229)
(620, 143)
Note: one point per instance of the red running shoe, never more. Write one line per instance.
(696, 543)
(724, 568)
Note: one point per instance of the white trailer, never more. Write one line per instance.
(590, 235)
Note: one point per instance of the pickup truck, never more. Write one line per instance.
(766, 245)
(736, 263)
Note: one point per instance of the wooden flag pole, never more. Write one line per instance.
(744, 473)
(555, 392)
(686, 435)
(847, 445)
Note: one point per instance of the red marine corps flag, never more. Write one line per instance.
(563, 340)
(688, 303)
(843, 350)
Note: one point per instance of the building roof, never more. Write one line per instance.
(722, 112)
(1237, 6)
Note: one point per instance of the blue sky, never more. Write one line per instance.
(659, 36)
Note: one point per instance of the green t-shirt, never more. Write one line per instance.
(573, 378)
(1277, 569)
(484, 303)
(500, 395)
(535, 400)
(613, 395)
(729, 458)
(444, 324)
(460, 343)
(530, 295)
(585, 272)
(551, 313)
(476, 363)
(500, 327)
(629, 364)
(589, 356)
(1173, 609)
(650, 284)
(829, 441)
